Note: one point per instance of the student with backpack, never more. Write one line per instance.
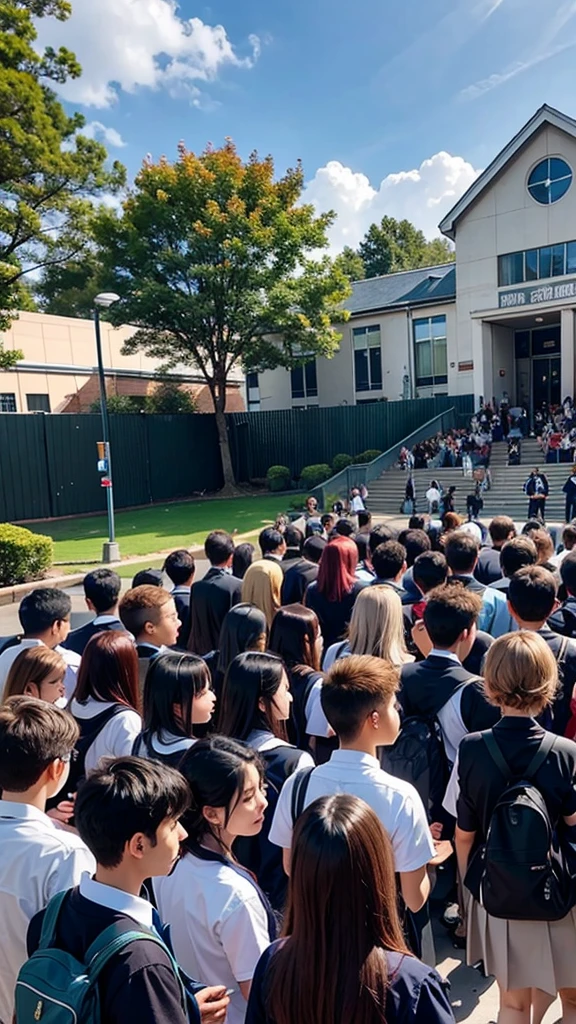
(359, 701)
(254, 709)
(220, 921)
(37, 859)
(178, 695)
(342, 887)
(516, 821)
(97, 953)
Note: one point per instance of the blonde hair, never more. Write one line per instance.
(377, 625)
(521, 672)
(33, 665)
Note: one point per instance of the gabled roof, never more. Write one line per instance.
(407, 288)
(545, 115)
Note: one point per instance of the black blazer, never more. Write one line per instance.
(181, 597)
(564, 620)
(297, 575)
(210, 601)
(426, 686)
(78, 638)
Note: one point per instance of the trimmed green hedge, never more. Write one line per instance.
(278, 478)
(24, 555)
(367, 456)
(311, 476)
(340, 462)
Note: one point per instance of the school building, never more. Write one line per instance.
(501, 318)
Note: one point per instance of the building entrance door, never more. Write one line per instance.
(546, 382)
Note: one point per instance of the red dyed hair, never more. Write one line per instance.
(109, 670)
(337, 573)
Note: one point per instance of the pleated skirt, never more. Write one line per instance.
(523, 954)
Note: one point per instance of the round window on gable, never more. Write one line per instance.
(550, 180)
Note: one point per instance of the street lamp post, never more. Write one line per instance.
(110, 548)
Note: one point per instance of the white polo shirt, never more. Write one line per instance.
(218, 924)
(8, 657)
(116, 739)
(37, 860)
(395, 801)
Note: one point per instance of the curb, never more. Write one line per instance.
(11, 595)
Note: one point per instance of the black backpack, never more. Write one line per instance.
(90, 728)
(520, 873)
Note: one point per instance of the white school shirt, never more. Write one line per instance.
(37, 860)
(316, 722)
(138, 909)
(117, 737)
(218, 925)
(395, 801)
(8, 657)
(357, 505)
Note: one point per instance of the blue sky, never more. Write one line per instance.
(424, 92)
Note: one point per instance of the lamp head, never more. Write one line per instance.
(105, 299)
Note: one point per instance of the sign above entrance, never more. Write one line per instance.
(538, 293)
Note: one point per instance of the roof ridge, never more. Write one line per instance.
(411, 270)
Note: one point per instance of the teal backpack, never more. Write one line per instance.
(55, 988)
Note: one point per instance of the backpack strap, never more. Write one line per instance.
(546, 744)
(50, 920)
(496, 754)
(113, 940)
(299, 790)
(561, 656)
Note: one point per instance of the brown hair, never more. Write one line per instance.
(342, 888)
(500, 529)
(293, 636)
(451, 521)
(450, 609)
(109, 670)
(33, 733)
(353, 688)
(544, 544)
(33, 665)
(141, 605)
(521, 672)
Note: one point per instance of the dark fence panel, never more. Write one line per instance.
(183, 454)
(72, 456)
(130, 461)
(302, 437)
(24, 485)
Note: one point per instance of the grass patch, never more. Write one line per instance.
(159, 527)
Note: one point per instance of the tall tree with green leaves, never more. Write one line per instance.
(395, 245)
(49, 172)
(351, 263)
(213, 259)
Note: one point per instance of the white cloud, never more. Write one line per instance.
(499, 78)
(97, 130)
(127, 44)
(423, 195)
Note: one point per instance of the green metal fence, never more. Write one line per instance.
(48, 462)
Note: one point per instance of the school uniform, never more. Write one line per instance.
(210, 600)
(395, 801)
(563, 620)
(559, 714)
(164, 746)
(37, 860)
(181, 595)
(146, 653)
(219, 922)
(9, 655)
(521, 954)
(494, 617)
(334, 616)
(117, 736)
(289, 559)
(488, 569)
(281, 761)
(415, 992)
(139, 982)
(296, 578)
(78, 638)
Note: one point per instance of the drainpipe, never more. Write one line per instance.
(411, 369)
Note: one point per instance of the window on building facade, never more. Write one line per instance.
(304, 381)
(537, 264)
(252, 392)
(7, 402)
(38, 403)
(550, 180)
(367, 358)
(430, 355)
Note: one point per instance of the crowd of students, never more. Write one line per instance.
(230, 801)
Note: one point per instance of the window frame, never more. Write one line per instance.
(372, 352)
(433, 379)
(8, 397)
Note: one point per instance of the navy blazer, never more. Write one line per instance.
(78, 638)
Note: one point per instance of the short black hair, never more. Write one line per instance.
(415, 542)
(364, 518)
(416, 523)
(449, 610)
(270, 539)
(388, 559)
(380, 534)
(532, 593)
(461, 552)
(294, 537)
(33, 733)
(362, 543)
(179, 566)
(148, 578)
(430, 570)
(568, 572)
(41, 608)
(345, 528)
(122, 797)
(313, 548)
(102, 588)
(516, 554)
(531, 524)
(218, 547)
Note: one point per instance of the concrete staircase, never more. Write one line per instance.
(505, 498)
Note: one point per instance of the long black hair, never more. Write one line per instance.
(241, 628)
(215, 770)
(251, 678)
(171, 679)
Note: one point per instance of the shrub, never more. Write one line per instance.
(340, 462)
(278, 478)
(367, 456)
(311, 476)
(23, 555)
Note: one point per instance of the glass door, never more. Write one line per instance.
(546, 382)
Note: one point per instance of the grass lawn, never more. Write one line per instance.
(160, 527)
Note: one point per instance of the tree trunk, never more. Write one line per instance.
(227, 469)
